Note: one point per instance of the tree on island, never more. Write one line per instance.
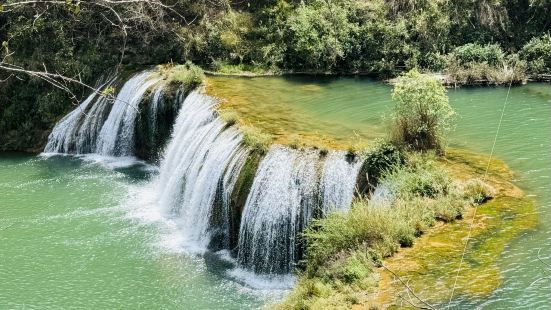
(422, 113)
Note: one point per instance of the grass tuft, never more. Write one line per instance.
(187, 75)
(257, 140)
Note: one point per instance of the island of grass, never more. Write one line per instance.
(406, 230)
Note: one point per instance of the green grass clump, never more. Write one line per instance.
(230, 117)
(419, 178)
(254, 138)
(187, 75)
(477, 191)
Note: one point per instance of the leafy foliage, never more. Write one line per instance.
(537, 52)
(422, 113)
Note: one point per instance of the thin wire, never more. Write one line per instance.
(476, 209)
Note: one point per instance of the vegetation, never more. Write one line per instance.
(478, 64)
(422, 113)
(472, 41)
(255, 139)
(188, 75)
(344, 248)
(537, 53)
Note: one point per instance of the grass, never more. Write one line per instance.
(255, 139)
(188, 75)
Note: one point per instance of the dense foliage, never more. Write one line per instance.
(472, 40)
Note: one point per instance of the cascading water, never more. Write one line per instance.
(153, 107)
(117, 134)
(338, 181)
(285, 196)
(201, 161)
(96, 126)
(200, 168)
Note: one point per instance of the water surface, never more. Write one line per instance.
(346, 109)
(69, 239)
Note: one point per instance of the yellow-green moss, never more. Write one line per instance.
(285, 126)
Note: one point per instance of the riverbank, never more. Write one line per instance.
(429, 267)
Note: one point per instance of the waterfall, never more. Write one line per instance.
(201, 161)
(201, 166)
(287, 192)
(153, 108)
(97, 126)
(338, 181)
(117, 134)
(61, 140)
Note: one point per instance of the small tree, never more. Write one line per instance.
(422, 113)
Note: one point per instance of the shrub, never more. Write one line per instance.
(188, 75)
(475, 53)
(513, 70)
(319, 34)
(379, 158)
(422, 113)
(537, 53)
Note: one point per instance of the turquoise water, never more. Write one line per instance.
(347, 108)
(78, 234)
(68, 241)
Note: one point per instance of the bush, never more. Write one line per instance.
(513, 70)
(474, 53)
(188, 75)
(319, 34)
(379, 158)
(537, 53)
(422, 113)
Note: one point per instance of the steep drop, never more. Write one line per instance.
(198, 172)
(290, 189)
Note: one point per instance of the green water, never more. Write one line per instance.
(341, 108)
(69, 238)
(67, 241)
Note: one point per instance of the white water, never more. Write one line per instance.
(153, 107)
(285, 196)
(61, 138)
(100, 126)
(338, 181)
(117, 134)
(200, 162)
(199, 170)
